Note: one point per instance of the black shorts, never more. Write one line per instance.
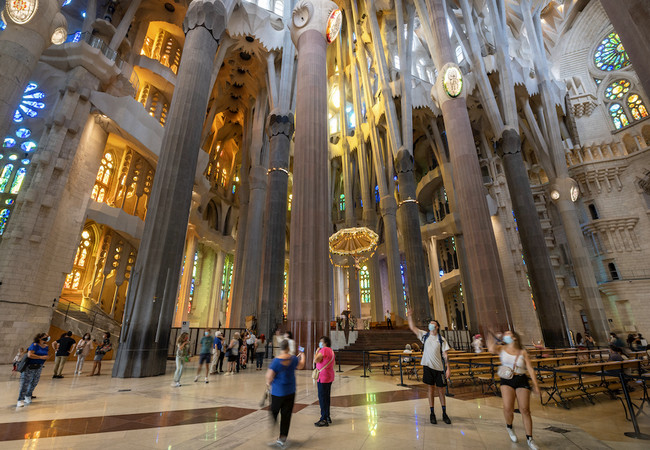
(433, 377)
(516, 382)
(233, 358)
(205, 358)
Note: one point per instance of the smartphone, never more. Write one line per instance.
(301, 349)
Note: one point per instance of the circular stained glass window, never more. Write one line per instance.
(617, 89)
(610, 54)
(23, 133)
(13, 157)
(25, 161)
(9, 142)
(28, 146)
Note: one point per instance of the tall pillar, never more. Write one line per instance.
(483, 256)
(215, 291)
(181, 312)
(279, 128)
(309, 267)
(409, 217)
(21, 46)
(439, 309)
(533, 243)
(253, 248)
(150, 305)
(125, 24)
(388, 209)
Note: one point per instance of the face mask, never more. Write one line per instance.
(432, 326)
(87, 338)
(321, 345)
(508, 339)
(206, 333)
(47, 339)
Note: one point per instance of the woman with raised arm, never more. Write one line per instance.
(515, 363)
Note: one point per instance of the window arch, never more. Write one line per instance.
(364, 284)
(81, 261)
(610, 54)
(627, 105)
(636, 106)
(617, 89)
(342, 202)
(104, 177)
(617, 113)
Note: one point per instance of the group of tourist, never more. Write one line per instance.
(30, 363)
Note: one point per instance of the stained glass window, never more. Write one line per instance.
(73, 279)
(6, 176)
(617, 89)
(103, 178)
(30, 103)
(9, 142)
(342, 202)
(618, 116)
(4, 217)
(28, 146)
(637, 108)
(598, 81)
(364, 284)
(13, 157)
(23, 133)
(226, 281)
(377, 196)
(18, 180)
(610, 54)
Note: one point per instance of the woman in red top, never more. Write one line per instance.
(324, 359)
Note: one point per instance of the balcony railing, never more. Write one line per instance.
(97, 43)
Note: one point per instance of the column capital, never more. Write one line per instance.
(310, 15)
(403, 161)
(510, 143)
(280, 122)
(209, 14)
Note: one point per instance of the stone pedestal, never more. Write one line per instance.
(279, 128)
(150, 304)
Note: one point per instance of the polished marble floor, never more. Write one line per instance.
(368, 413)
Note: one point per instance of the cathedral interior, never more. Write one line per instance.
(172, 165)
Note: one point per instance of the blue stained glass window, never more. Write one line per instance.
(28, 146)
(377, 197)
(4, 216)
(29, 105)
(18, 180)
(76, 37)
(23, 133)
(13, 157)
(6, 176)
(66, 2)
(9, 142)
(2, 25)
(25, 161)
(9, 201)
(610, 54)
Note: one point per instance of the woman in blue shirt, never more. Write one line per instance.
(281, 378)
(36, 356)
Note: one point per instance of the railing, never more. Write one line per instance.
(97, 43)
(195, 338)
(63, 306)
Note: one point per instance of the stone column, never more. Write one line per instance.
(181, 312)
(582, 267)
(125, 24)
(388, 210)
(538, 262)
(439, 308)
(253, 248)
(215, 292)
(409, 217)
(483, 256)
(150, 305)
(279, 128)
(21, 46)
(310, 290)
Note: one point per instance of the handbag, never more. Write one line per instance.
(21, 366)
(317, 372)
(505, 372)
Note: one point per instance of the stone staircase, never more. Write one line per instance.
(70, 316)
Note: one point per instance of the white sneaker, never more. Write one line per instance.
(206, 380)
(531, 444)
(196, 378)
(28, 400)
(20, 404)
(511, 433)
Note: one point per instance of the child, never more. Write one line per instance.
(17, 359)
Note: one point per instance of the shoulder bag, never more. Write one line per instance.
(317, 372)
(22, 364)
(505, 372)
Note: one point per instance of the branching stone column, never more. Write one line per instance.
(309, 266)
(150, 304)
(279, 128)
(482, 254)
(21, 46)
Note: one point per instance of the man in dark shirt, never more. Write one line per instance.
(63, 348)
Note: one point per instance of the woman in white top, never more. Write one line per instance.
(513, 355)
